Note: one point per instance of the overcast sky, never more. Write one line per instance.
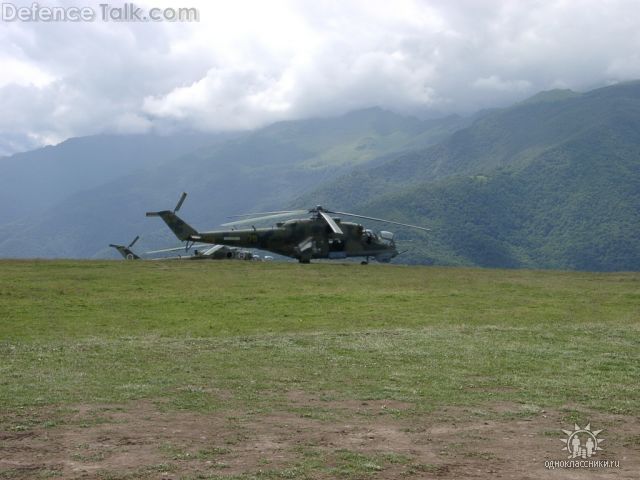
(249, 63)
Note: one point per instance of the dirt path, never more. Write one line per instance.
(310, 438)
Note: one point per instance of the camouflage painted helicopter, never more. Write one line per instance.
(126, 251)
(320, 236)
(201, 252)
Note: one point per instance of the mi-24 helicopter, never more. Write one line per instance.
(200, 252)
(320, 235)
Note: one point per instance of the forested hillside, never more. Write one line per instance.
(553, 182)
(93, 191)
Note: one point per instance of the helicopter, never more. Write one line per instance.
(125, 250)
(201, 252)
(319, 236)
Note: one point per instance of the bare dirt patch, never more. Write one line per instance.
(344, 439)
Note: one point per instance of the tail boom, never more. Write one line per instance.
(179, 227)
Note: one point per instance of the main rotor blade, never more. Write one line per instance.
(334, 226)
(265, 217)
(211, 250)
(175, 249)
(259, 214)
(383, 220)
(134, 241)
(180, 202)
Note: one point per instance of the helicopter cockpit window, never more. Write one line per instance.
(369, 236)
(386, 237)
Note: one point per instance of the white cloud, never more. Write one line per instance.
(18, 72)
(627, 68)
(248, 63)
(497, 84)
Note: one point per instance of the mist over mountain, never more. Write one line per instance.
(88, 208)
(551, 182)
(33, 181)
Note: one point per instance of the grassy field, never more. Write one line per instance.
(211, 337)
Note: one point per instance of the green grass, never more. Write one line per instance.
(201, 336)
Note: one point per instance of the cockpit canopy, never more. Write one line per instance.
(382, 237)
(386, 237)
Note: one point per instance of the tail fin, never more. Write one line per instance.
(126, 252)
(179, 227)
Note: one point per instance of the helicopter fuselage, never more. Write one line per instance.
(306, 239)
(318, 236)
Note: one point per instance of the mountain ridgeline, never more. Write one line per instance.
(93, 196)
(551, 182)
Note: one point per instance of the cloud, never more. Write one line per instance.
(495, 83)
(248, 63)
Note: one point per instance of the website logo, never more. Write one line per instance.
(582, 442)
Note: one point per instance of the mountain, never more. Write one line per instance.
(510, 136)
(553, 182)
(261, 169)
(32, 182)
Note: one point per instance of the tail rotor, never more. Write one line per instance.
(134, 241)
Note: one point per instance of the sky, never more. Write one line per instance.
(246, 64)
